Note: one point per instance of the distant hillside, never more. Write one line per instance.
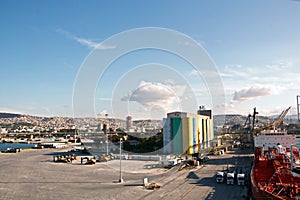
(230, 119)
(218, 120)
(9, 115)
(234, 119)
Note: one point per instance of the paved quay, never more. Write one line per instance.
(32, 174)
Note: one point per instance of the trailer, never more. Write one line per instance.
(230, 178)
(241, 179)
(220, 177)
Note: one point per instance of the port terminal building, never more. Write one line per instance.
(187, 133)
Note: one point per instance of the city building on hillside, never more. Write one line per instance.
(128, 122)
(187, 133)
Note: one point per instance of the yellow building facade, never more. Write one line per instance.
(186, 133)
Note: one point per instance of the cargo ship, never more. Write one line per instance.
(276, 167)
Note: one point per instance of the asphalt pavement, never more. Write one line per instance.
(32, 174)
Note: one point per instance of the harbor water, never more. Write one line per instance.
(4, 146)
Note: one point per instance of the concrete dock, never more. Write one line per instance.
(32, 174)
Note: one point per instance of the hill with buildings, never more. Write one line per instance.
(52, 123)
(235, 119)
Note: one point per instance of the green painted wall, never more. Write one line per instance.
(177, 135)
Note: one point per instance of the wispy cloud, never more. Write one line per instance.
(194, 73)
(84, 41)
(236, 71)
(280, 65)
(280, 73)
(104, 99)
(204, 73)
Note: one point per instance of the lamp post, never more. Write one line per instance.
(106, 144)
(106, 137)
(121, 178)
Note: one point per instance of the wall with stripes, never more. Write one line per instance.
(187, 135)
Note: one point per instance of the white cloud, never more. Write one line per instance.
(280, 73)
(251, 93)
(237, 71)
(86, 42)
(262, 74)
(156, 96)
(280, 65)
(172, 82)
(261, 81)
(226, 75)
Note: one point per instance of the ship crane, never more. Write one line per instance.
(250, 129)
(276, 123)
(248, 120)
(281, 117)
(247, 132)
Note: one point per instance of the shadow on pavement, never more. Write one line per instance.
(133, 185)
(192, 175)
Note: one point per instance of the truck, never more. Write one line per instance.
(241, 179)
(230, 178)
(172, 163)
(220, 177)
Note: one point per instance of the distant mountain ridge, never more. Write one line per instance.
(218, 120)
(9, 115)
(233, 119)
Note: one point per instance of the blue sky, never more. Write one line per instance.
(255, 46)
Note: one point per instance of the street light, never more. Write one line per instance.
(106, 144)
(105, 133)
(121, 178)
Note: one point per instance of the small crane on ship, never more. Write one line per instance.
(247, 132)
(248, 120)
(276, 123)
(250, 129)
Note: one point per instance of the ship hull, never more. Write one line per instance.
(272, 177)
(257, 193)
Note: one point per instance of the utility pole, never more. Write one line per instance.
(106, 144)
(298, 107)
(121, 178)
(106, 115)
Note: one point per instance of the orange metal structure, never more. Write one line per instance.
(271, 175)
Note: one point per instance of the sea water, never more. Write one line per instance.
(4, 146)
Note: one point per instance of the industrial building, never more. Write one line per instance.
(187, 133)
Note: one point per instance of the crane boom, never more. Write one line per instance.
(281, 117)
